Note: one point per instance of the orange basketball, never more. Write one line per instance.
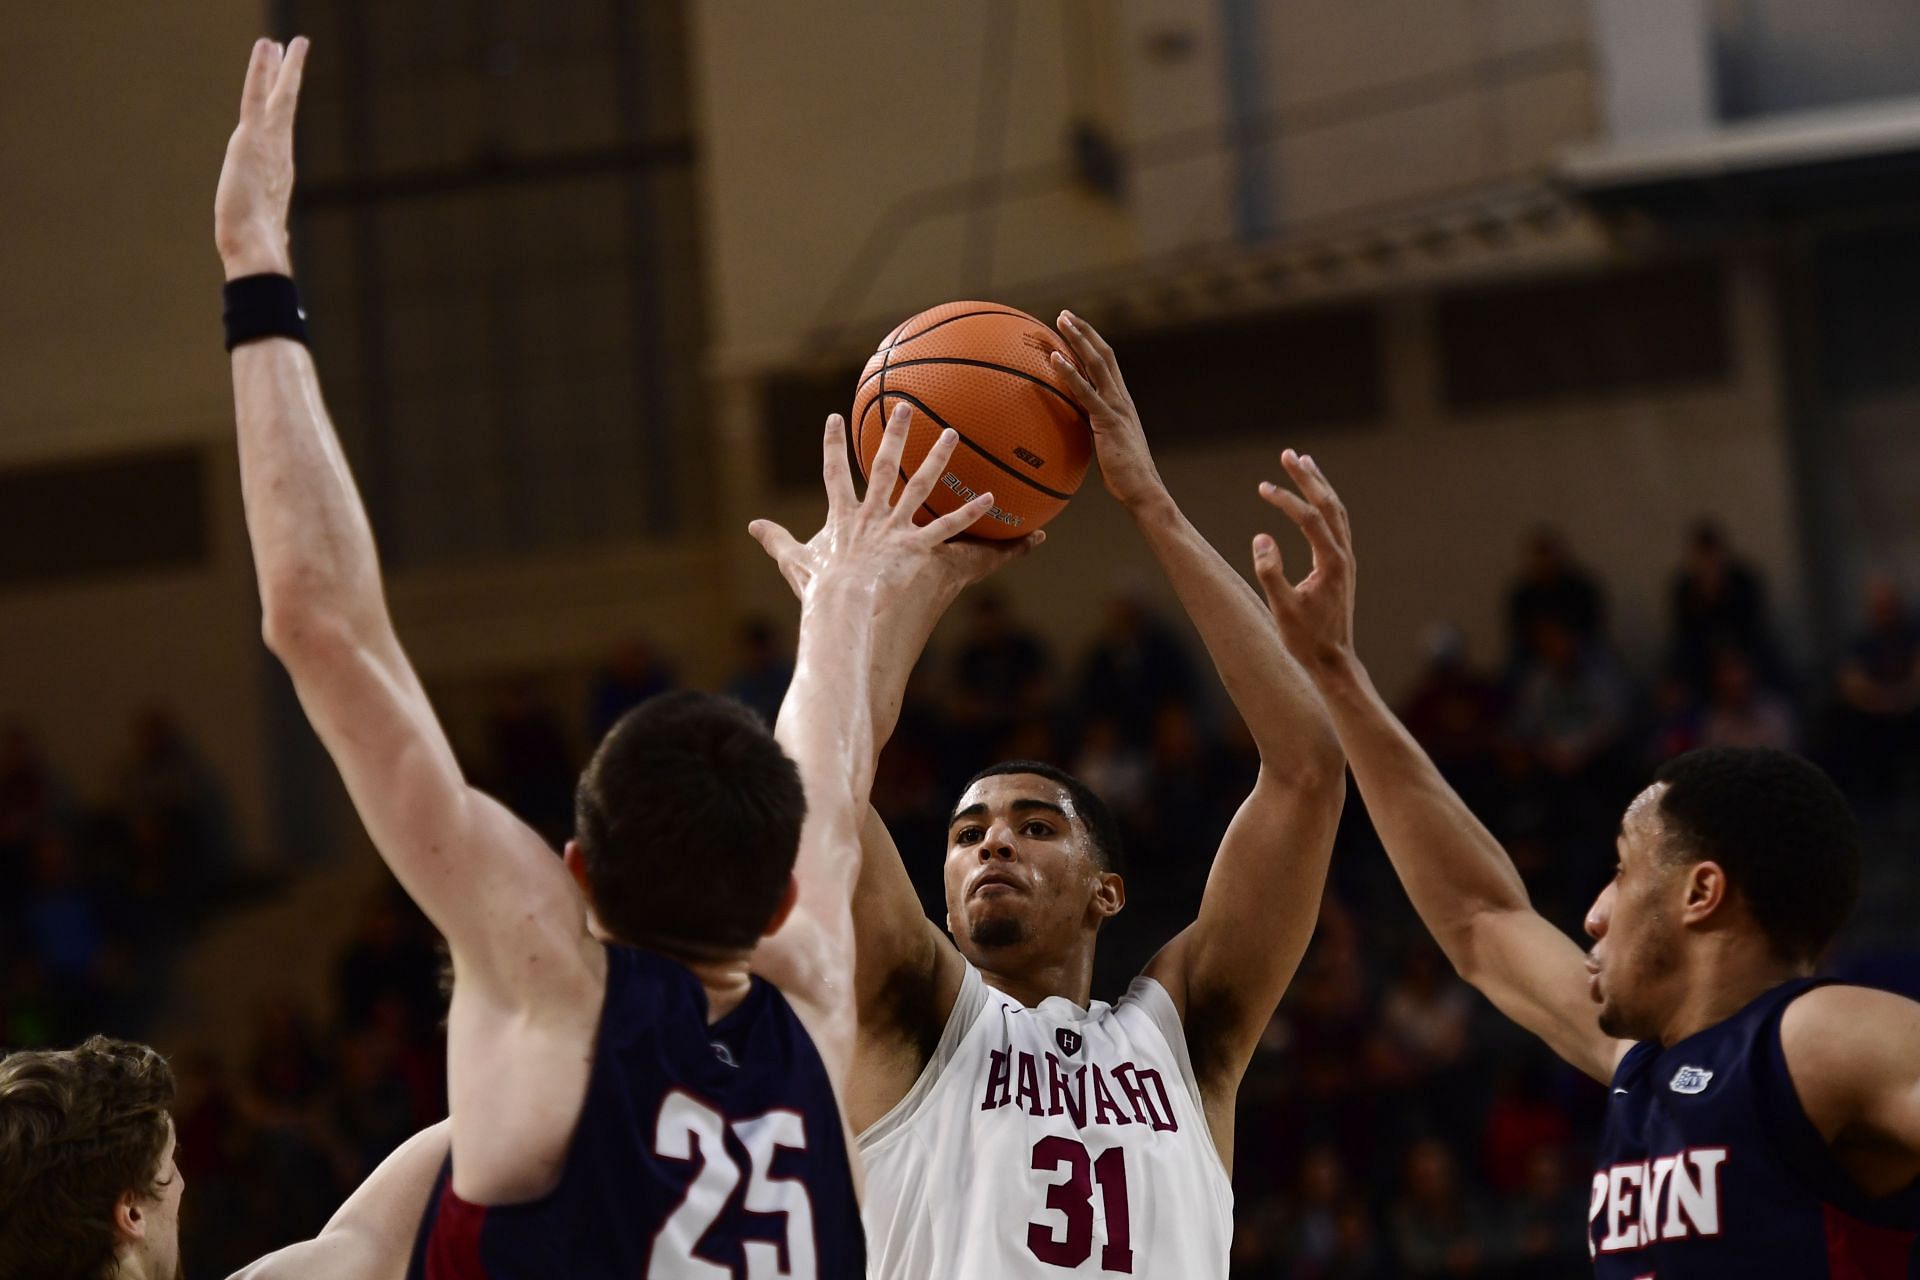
(984, 370)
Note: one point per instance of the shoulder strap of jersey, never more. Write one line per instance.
(973, 997)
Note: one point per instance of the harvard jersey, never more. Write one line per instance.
(703, 1152)
(1709, 1167)
(1049, 1142)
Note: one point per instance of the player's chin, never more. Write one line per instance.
(991, 927)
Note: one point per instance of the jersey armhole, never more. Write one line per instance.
(1147, 995)
(967, 1004)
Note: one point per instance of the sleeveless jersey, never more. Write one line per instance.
(1709, 1167)
(1049, 1142)
(702, 1153)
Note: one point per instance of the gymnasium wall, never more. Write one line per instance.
(110, 343)
(862, 160)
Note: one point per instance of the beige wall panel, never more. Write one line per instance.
(110, 314)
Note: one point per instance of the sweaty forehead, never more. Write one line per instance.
(1644, 826)
(1003, 792)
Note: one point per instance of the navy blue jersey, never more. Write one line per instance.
(1709, 1167)
(702, 1152)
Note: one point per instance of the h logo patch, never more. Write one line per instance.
(1069, 1041)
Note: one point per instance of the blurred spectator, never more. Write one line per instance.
(31, 801)
(1002, 675)
(764, 672)
(1523, 1117)
(177, 815)
(1571, 706)
(1676, 723)
(1539, 1244)
(1135, 667)
(1551, 587)
(1424, 1018)
(529, 766)
(634, 674)
(1439, 1227)
(392, 956)
(1111, 762)
(1718, 602)
(1879, 688)
(1741, 712)
(1454, 712)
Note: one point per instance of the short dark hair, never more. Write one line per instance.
(1781, 830)
(1102, 830)
(688, 818)
(79, 1128)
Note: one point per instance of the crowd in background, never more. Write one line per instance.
(1391, 1125)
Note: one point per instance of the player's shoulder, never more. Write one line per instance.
(1836, 1017)
(1840, 1041)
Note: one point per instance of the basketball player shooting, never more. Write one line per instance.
(89, 1188)
(630, 1095)
(1759, 1121)
(1010, 1127)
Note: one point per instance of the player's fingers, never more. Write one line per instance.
(957, 522)
(1090, 400)
(834, 472)
(885, 471)
(1084, 352)
(1326, 548)
(926, 475)
(286, 86)
(1271, 570)
(779, 544)
(1315, 489)
(253, 94)
(1091, 336)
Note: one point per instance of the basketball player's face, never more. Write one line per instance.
(1021, 874)
(1634, 926)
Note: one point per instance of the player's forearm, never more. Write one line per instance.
(826, 724)
(313, 548)
(1273, 695)
(1452, 867)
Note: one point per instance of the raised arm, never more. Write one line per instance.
(1461, 881)
(867, 551)
(371, 1236)
(510, 913)
(906, 970)
(1228, 969)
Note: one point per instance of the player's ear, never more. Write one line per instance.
(129, 1219)
(1706, 891)
(1109, 894)
(788, 901)
(576, 864)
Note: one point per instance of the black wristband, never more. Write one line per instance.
(263, 306)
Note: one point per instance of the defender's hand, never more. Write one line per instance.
(930, 570)
(1316, 617)
(1126, 464)
(256, 182)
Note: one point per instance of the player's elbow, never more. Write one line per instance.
(1312, 767)
(300, 634)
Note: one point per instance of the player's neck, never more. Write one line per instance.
(726, 983)
(1069, 976)
(1723, 982)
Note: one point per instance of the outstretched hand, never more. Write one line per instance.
(876, 536)
(256, 182)
(1315, 617)
(1119, 441)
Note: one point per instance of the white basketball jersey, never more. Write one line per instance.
(1048, 1142)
